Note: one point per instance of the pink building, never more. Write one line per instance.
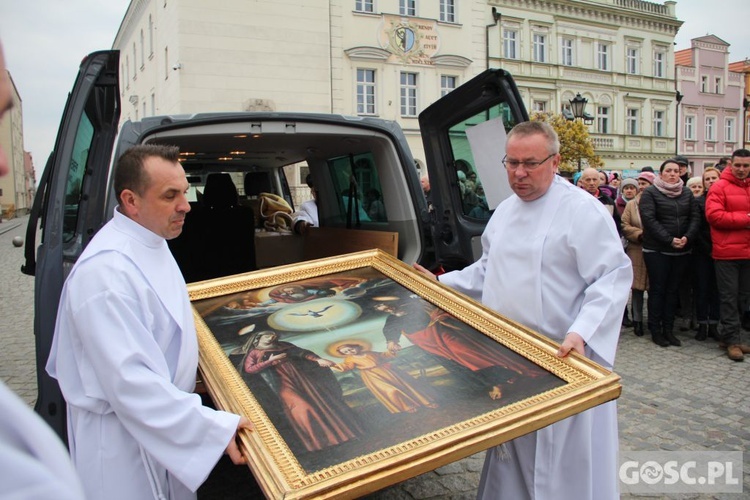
(710, 113)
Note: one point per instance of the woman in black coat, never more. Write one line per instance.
(670, 218)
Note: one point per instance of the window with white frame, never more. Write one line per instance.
(510, 43)
(448, 11)
(166, 63)
(539, 47)
(631, 121)
(729, 135)
(365, 91)
(127, 71)
(717, 85)
(602, 56)
(704, 84)
(658, 129)
(710, 133)
(135, 63)
(408, 94)
(153, 104)
(364, 6)
(660, 63)
(566, 52)
(602, 119)
(407, 7)
(447, 83)
(631, 60)
(689, 128)
(539, 106)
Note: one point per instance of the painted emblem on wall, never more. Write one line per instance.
(412, 41)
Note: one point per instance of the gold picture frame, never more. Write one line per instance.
(408, 407)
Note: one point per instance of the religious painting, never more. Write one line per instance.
(358, 372)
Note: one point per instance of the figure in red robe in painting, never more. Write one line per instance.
(309, 393)
(441, 334)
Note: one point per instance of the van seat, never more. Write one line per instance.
(218, 238)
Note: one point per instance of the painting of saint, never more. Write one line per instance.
(441, 334)
(309, 393)
(397, 390)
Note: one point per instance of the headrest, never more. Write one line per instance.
(220, 191)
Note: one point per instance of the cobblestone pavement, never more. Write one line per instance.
(678, 398)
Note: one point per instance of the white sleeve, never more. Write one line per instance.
(122, 363)
(34, 464)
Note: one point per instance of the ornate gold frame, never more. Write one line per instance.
(275, 466)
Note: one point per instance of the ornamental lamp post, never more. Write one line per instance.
(578, 108)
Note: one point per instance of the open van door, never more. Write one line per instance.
(73, 183)
(464, 143)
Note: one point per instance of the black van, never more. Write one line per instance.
(346, 156)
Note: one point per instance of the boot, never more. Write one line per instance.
(702, 332)
(713, 331)
(626, 319)
(659, 339)
(671, 339)
(638, 328)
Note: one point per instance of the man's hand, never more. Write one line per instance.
(393, 346)
(572, 342)
(424, 271)
(233, 450)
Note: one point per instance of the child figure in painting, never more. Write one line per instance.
(395, 389)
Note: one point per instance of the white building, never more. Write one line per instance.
(618, 54)
(392, 58)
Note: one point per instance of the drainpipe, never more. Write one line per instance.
(678, 97)
(496, 16)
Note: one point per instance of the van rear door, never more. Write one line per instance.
(69, 205)
(463, 140)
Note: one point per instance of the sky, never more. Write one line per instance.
(45, 40)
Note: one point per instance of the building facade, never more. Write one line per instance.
(385, 58)
(744, 68)
(393, 58)
(616, 53)
(711, 113)
(13, 189)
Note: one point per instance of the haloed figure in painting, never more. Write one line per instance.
(309, 393)
(397, 390)
(441, 334)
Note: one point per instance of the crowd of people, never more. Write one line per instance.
(688, 239)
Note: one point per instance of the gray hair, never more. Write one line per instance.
(526, 129)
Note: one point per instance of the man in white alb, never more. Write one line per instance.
(125, 350)
(552, 260)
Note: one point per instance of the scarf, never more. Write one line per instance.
(673, 190)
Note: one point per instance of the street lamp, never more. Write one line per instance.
(578, 109)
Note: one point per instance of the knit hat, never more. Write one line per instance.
(647, 176)
(629, 182)
(576, 178)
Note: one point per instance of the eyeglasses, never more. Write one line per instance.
(527, 165)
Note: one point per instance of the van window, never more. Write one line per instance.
(471, 192)
(356, 180)
(81, 148)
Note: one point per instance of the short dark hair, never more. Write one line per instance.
(741, 153)
(129, 173)
(309, 181)
(667, 162)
